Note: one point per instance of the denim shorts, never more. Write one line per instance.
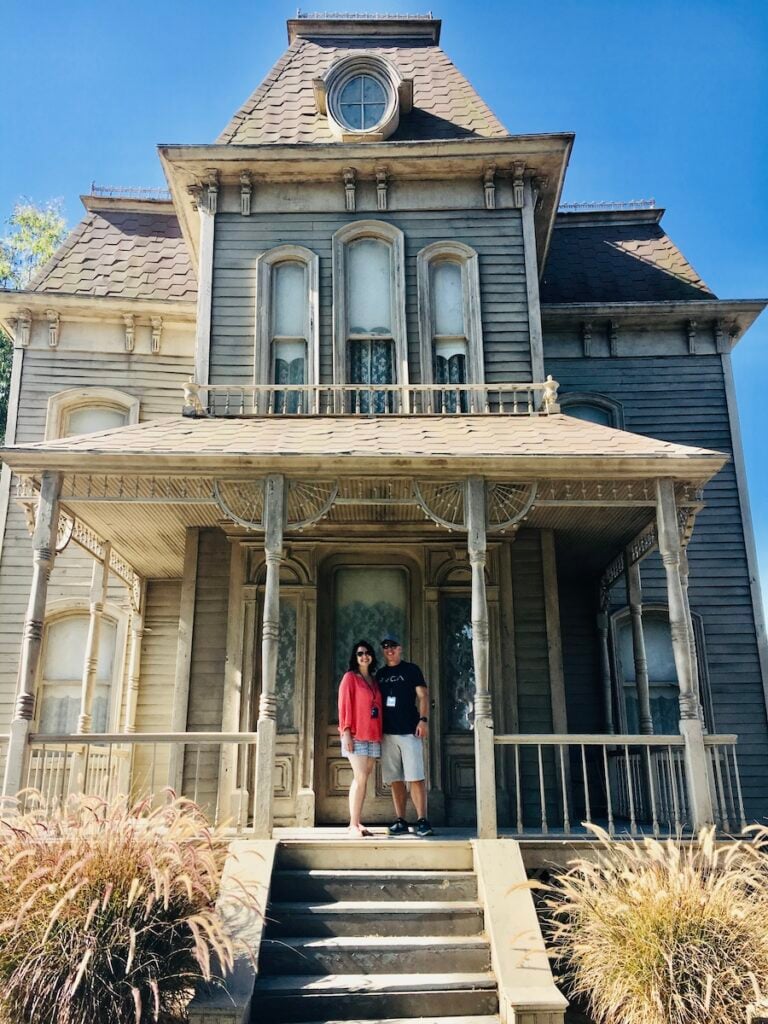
(364, 748)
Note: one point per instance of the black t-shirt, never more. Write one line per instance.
(398, 692)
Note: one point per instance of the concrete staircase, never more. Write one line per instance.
(376, 930)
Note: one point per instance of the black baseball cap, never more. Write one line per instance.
(390, 638)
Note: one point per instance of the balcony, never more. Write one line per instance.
(257, 400)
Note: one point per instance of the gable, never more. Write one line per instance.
(283, 108)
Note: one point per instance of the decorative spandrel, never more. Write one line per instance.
(242, 501)
(309, 501)
(285, 682)
(457, 670)
(443, 502)
(508, 503)
(369, 602)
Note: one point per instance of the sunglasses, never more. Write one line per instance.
(363, 654)
(388, 647)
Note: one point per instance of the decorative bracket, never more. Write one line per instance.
(518, 185)
(613, 337)
(23, 328)
(129, 320)
(690, 329)
(489, 187)
(508, 504)
(246, 190)
(54, 325)
(212, 190)
(157, 332)
(349, 188)
(382, 182)
(586, 337)
(307, 502)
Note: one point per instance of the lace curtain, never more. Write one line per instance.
(371, 362)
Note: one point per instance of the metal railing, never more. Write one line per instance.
(223, 400)
(129, 192)
(627, 784)
(608, 206)
(146, 766)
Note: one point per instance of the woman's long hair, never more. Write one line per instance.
(353, 664)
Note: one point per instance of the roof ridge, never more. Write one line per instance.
(66, 246)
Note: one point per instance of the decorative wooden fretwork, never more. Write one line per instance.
(242, 501)
(64, 532)
(309, 501)
(442, 502)
(508, 503)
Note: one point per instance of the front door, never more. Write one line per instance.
(365, 601)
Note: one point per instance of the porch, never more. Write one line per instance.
(473, 510)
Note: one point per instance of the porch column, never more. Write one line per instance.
(43, 553)
(485, 763)
(691, 633)
(635, 602)
(134, 667)
(605, 671)
(99, 584)
(274, 502)
(697, 773)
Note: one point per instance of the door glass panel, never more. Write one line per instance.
(457, 668)
(285, 684)
(447, 307)
(369, 602)
(369, 283)
(662, 675)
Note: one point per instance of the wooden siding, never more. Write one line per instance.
(157, 382)
(209, 654)
(495, 235)
(682, 399)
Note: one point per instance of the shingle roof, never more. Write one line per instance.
(283, 109)
(496, 437)
(617, 262)
(122, 253)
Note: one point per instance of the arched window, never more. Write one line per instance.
(87, 410)
(662, 674)
(287, 350)
(369, 309)
(592, 407)
(61, 675)
(449, 318)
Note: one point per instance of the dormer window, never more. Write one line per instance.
(363, 96)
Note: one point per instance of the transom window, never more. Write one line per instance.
(88, 419)
(593, 408)
(87, 410)
(362, 102)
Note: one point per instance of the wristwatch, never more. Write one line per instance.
(423, 718)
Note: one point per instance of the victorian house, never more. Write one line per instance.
(358, 372)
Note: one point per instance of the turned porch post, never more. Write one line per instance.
(605, 670)
(635, 602)
(134, 666)
(99, 584)
(485, 762)
(697, 772)
(274, 511)
(43, 554)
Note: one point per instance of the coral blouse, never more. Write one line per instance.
(356, 701)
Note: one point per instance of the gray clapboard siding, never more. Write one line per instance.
(157, 381)
(682, 399)
(495, 235)
(209, 653)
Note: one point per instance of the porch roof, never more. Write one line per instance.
(540, 446)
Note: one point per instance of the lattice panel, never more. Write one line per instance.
(508, 503)
(309, 501)
(442, 502)
(242, 501)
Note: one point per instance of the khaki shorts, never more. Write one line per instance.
(402, 758)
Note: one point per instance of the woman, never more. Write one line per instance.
(360, 714)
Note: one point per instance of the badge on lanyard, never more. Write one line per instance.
(391, 700)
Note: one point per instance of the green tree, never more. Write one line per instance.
(34, 234)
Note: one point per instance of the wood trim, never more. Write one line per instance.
(532, 285)
(265, 265)
(745, 512)
(10, 438)
(554, 634)
(507, 637)
(64, 402)
(232, 698)
(204, 297)
(180, 703)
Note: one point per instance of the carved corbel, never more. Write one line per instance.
(157, 332)
(382, 182)
(489, 187)
(733, 335)
(539, 186)
(54, 324)
(212, 190)
(613, 337)
(349, 188)
(719, 334)
(23, 328)
(518, 185)
(690, 330)
(129, 322)
(246, 189)
(586, 337)
(195, 193)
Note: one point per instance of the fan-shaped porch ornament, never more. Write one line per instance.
(442, 502)
(242, 501)
(508, 503)
(309, 501)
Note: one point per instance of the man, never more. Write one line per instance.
(406, 702)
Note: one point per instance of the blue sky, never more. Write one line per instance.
(668, 100)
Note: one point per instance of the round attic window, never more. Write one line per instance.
(363, 98)
(362, 102)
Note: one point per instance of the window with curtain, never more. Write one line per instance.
(662, 675)
(370, 336)
(62, 674)
(449, 336)
(289, 333)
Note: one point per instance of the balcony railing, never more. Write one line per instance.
(222, 400)
(626, 784)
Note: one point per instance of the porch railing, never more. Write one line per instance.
(145, 766)
(626, 784)
(223, 400)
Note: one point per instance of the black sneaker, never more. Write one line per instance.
(399, 827)
(423, 828)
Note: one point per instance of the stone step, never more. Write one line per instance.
(289, 999)
(363, 919)
(377, 854)
(430, 954)
(325, 885)
(485, 1019)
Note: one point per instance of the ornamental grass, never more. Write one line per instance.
(658, 932)
(107, 912)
